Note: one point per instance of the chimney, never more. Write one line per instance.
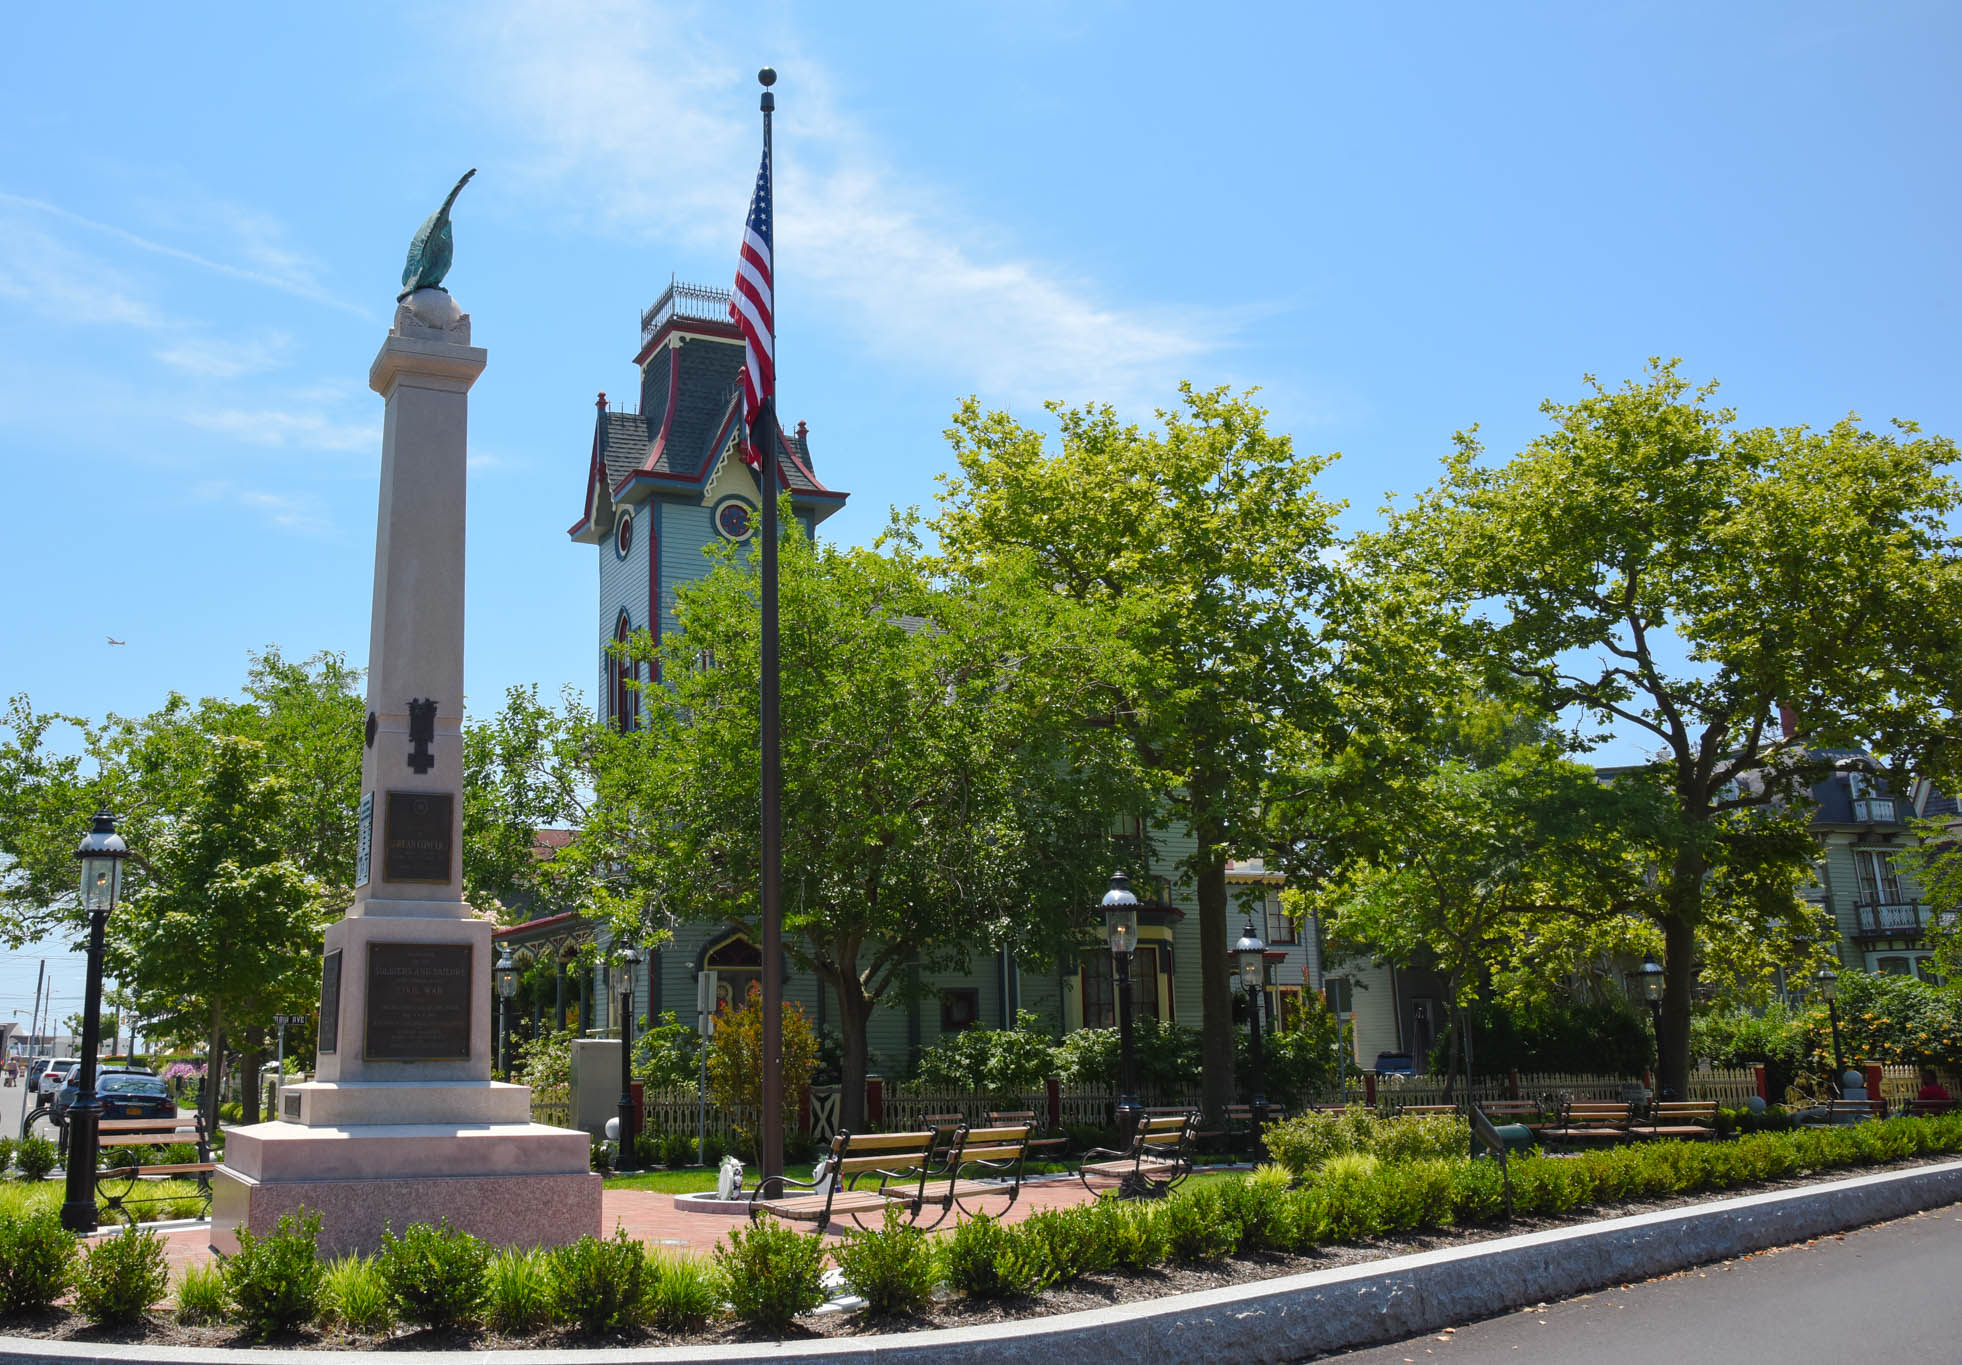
(601, 404)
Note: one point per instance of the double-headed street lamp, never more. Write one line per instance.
(1651, 974)
(101, 856)
(1120, 909)
(1827, 980)
(1250, 955)
(629, 959)
(506, 974)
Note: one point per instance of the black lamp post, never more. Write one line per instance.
(1250, 955)
(1121, 929)
(506, 974)
(101, 856)
(629, 959)
(1652, 996)
(1827, 980)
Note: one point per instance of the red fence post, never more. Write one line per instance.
(1054, 1088)
(875, 1102)
(1874, 1074)
(804, 1110)
(1512, 1085)
(1758, 1080)
(1369, 1088)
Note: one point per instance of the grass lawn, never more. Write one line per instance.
(180, 1200)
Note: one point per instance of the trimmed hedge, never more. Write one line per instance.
(767, 1274)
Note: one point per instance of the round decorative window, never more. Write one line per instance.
(623, 535)
(735, 518)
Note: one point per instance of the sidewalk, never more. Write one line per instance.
(652, 1218)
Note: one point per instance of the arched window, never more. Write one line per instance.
(622, 675)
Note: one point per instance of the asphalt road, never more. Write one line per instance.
(1888, 1292)
(10, 1102)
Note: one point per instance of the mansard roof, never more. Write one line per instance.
(690, 416)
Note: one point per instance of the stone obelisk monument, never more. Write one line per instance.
(403, 1123)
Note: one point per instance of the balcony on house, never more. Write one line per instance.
(1900, 919)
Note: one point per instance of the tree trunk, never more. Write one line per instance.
(252, 1056)
(1672, 1046)
(1215, 973)
(214, 1072)
(854, 1020)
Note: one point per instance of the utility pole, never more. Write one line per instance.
(34, 1018)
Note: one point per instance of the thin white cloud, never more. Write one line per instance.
(302, 515)
(281, 427)
(211, 358)
(50, 278)
(640, 106)
(279, 269)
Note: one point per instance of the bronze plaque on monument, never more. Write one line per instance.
(330, 1001)
(419, 1002)
(416, 839)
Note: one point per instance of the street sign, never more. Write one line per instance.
(1337, 991)
(705, 1004)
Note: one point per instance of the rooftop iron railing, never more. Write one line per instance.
(696, 301)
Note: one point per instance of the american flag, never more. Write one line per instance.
(752, 301)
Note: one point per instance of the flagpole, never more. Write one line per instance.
(764, 434)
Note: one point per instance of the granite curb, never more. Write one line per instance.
(1270, 1320)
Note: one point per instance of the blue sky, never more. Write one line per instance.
(1397, 220)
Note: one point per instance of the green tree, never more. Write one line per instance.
(1647, 563)
(226, 932)
(524, 769)
(935, 802)
(1203, 549)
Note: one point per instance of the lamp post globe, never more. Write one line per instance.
(505, 974)
(1250, 957)
(629, 959)
(1120, 909)
(1652, 991)
(101, 856)
(1827, 982)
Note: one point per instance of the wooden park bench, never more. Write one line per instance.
(1589, 1123)
(901, 1162)
(983, 1163)
(1041, 1148)
(117, 1183)
(1158, 1158)
(1678, 1119)
(1530, 1113)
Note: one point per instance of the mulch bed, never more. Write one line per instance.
(1093, 1291)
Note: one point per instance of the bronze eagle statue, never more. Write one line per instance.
(431, 248)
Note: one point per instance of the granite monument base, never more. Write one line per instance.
(513, 1184)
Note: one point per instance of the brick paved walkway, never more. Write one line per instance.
(652, 1218)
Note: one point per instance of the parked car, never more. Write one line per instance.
(50, 1080)
(35, 1066)
(126, 1093)
(1395, 1064)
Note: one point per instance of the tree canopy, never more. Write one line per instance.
(1205, 552)
(938, 799)
(1645, 562)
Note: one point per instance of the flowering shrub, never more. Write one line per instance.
(1887, 1019)
(1304, 1143)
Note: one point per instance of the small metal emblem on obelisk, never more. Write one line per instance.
(422, 733)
